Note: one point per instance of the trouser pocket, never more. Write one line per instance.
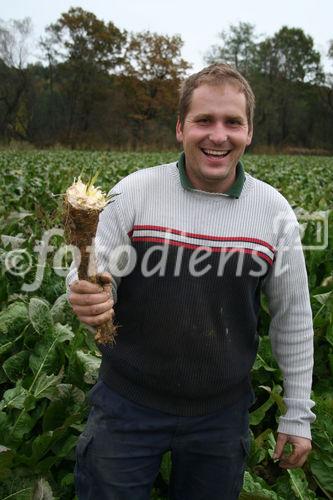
(82, 474)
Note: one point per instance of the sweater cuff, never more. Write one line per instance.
(298, 418)
(70, 278)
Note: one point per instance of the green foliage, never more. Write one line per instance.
(40, 406)
(49, 361)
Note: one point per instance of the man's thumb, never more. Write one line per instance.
(104, 278)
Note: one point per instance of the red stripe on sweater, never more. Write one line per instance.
(201, 236)
(194, 247)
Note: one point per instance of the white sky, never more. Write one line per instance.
(197, 21)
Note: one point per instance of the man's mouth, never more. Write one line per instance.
(216, 153)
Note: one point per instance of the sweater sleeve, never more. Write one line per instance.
(291, 329)
(114, 252)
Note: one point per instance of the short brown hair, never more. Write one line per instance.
(215, 74)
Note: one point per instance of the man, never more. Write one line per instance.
(190, 246)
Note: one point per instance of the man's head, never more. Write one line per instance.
(214, 125)
(215, 75)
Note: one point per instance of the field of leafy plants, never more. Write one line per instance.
(48, 360)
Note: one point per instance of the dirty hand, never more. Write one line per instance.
(92, 303)
(301, 448)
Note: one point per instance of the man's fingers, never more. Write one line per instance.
(97, 320)
(83, 286)
(88, 299)
(280, 443)
(292, 461)
(93, 310)
(298, 456)
(104, 278)
(91, 302)
(301, 448)
(107, 289)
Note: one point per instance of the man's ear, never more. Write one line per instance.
(249, 137)
(179, 131)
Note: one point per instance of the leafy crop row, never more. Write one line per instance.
(49, 361)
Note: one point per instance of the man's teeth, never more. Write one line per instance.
(213, 152)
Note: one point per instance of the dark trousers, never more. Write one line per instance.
(120, 451)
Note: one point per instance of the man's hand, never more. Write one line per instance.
(92, 303)
(301, 449)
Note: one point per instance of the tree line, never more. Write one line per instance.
(97, 86)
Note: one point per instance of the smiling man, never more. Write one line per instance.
(178, 377)
(215, 132)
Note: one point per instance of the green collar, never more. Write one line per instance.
(234, 191)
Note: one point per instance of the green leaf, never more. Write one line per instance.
(299, 484)
(44, 357)
(261, 363)
(40, 316)
(166, 466)
(329, 334)
(322, 298)
(72, 394)
(258, 415)
(6, 459)
(330, 361)
(40, 446)
(21, 494)
(265, 357)
(323, 476)
(12, 321)
(282, 487)
(14, 398)
(275, 395)
(63, 332)
(63, 449)
(321, 465)
(46, 386)
(69, 401)
(15, 365)
(61, 310)
(68, 480)
(30, 402)
(90, 365)
(4, 424)
(23, 424)
(44, 465)
(5, 345)
(14, 216)
(255, 488)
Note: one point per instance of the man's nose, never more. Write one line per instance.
(218, 133)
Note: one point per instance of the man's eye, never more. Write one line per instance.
(234, 122)
(203, 120)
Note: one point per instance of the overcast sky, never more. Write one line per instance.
(198, 22)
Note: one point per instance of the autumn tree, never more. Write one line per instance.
(237, 47)
(86, 51)
(154, 68)
(290, 55)
(289, 64)
(151, 56)
(327, 92)
(14, 78)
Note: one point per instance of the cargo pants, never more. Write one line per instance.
(120, 451)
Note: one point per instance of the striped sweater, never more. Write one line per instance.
(188, 269)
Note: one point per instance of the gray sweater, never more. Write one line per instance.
(188, 268)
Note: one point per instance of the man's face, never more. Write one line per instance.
(214, 136)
